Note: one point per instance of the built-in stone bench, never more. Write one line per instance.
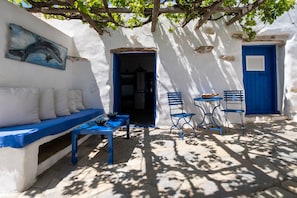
(19, 148)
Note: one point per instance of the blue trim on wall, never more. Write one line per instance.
(155, 88)
(116, 83)
(275, 78)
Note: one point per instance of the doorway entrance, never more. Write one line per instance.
(259, 78)
(134, 86)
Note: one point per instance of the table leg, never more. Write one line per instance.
(216, 126)
(110, 149)
(212, 115)
(203, 115)
(74, 148)
(128, 128)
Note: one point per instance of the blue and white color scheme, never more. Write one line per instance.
(32, 48)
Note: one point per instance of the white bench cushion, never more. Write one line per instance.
(18, 106)
(46, 104)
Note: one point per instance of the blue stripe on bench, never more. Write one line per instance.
(20, 136)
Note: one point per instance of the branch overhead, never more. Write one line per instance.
(155, 14)
(245, 10)
(210, 11)
(103, 14)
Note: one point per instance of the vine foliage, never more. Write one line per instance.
(105, 14)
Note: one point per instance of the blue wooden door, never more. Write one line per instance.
(259, 78)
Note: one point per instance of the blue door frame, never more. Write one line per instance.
(260, 79)
(117, 85)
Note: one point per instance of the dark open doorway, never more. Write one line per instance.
(134, 86)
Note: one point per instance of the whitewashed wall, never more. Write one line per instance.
(179, 67)
(287, 60)
(22, 74)
(19, 171)
(16, 73)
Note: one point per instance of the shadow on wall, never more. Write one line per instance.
(83, 78)
(197, 72)
(179, 66)
(122, 38)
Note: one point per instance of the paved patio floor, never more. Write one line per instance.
(155, 163)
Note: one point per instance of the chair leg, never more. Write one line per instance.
(221, 131)
(181, 131)
(172, 127)
(226, 123)
(175, 125)
(188, 123)
(242, 124)
(181, 134)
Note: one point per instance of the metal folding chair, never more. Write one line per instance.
(177, 114)
(234, 104)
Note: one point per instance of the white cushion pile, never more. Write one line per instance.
(20, 106)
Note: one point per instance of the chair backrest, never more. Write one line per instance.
(234, 97)
(175, 102)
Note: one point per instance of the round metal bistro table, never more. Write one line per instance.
(212, 103)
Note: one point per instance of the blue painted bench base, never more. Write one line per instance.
(19, 148)
(93, 129)
(21, 136)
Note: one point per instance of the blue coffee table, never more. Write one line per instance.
(107, 129)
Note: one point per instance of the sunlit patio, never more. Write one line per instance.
(101, 66)
(155, 163)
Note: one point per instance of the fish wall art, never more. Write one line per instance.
(29, 47)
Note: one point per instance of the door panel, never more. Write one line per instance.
(259, 77)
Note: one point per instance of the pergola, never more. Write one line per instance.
(99, 16)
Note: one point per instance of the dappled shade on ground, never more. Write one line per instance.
(155, 163)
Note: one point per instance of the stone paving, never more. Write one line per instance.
(155, 163)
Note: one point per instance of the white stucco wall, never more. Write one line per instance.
(25, 74)
(19, 167)
(287, 66)
(22, 74)
(290, 89)
(179, 67)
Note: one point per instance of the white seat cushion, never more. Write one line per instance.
(19, 106)
(79, 99)
(72, 101)
(61, 102)
(46, 104)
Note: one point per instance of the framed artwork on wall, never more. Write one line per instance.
(29, 47)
